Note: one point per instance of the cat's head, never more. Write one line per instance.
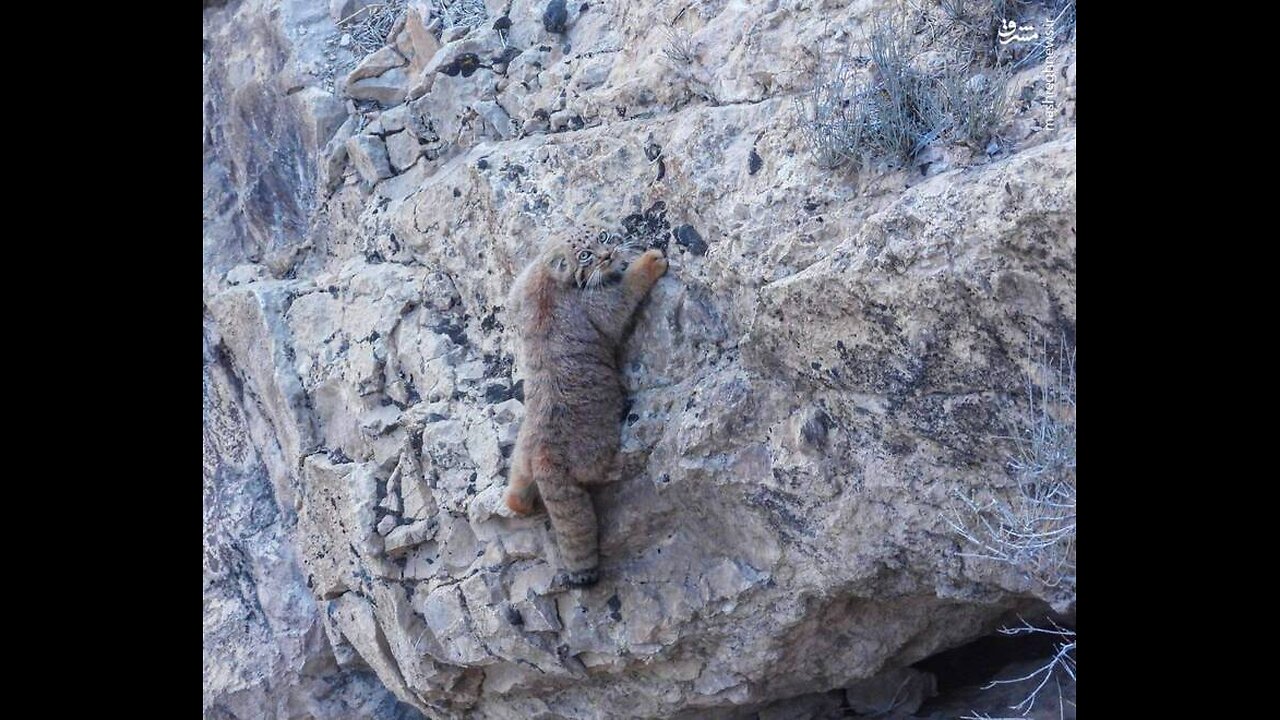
(590, 258)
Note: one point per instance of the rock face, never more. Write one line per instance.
(266, 652)
(829, 360)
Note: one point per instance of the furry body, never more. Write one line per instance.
(571, 307)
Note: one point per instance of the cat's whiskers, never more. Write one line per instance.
(593, 279)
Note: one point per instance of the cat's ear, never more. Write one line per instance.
(557, 260)
(557, 263)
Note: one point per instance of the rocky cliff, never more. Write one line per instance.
(831, 360)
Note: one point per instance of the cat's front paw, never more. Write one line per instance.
(652, 264)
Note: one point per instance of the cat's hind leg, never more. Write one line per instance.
(573, 518)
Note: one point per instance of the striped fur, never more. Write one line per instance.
(571, 307)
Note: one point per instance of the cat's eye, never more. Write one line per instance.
(584, 256)
(604, 238)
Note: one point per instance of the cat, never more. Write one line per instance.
(571, 307)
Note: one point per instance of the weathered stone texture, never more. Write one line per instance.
(828, 360)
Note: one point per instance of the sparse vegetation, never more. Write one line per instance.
(1060, 666)
(976, 105)
(1058, 14)
(678, 54)
(933, 73)
(907, 110)
(454, 13)
(369, 28)
(678, 48)
(370, 25)
(885, 108)
(973, 26)
(1032, 527)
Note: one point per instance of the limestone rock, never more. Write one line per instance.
(369, 154)
(402, 150)
(829, 362)
(446, 615)
(266, 652)
(497, 122)
(393, 120)
(420, 86)
(403, 538)
(334, 156)
(376, 64)
(341, 10)
(421, 44)
(245, 274)
(386, 525)
(388, 89)
(322, 114)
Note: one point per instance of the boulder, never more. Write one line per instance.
(831, 365)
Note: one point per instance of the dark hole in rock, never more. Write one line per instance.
(514, 617)
(555, 17)
(497, 393)
(815, 429)
(687, 236)
(963, 671)
(978, 662)
(506, 56)
(649, 228)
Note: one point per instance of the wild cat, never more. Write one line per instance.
(570, 307)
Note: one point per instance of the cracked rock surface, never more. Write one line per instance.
(826, 364)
